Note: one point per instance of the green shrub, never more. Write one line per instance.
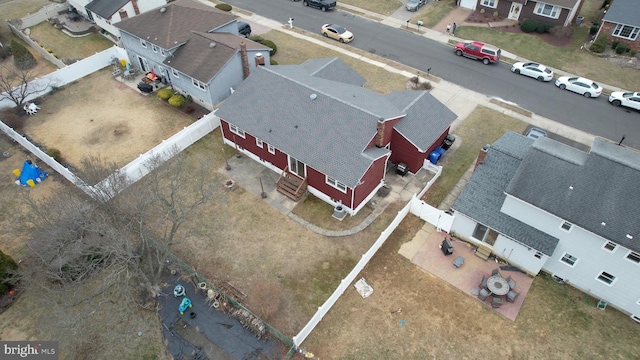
(543, 27)
(7, 267)
(599, 44)
(594, 29)
(177, 101)
(482, 11)
(615, 44)
(224, 7)
(627, 49)
(633, 52)
(189, 98)
(273, 62)
(529, 25)
(4, 52)
(22, 58)
(621, 48)
(165, 94)
(54, 153)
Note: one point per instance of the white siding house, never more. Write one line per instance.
(551, 207)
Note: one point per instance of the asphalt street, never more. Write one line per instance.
(594, 116)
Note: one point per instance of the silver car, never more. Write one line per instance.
(414, 5)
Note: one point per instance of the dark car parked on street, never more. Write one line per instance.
(323, 5)
(244, 29)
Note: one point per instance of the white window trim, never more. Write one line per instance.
(604, 246)
(632, 252)
(271, 149)
(540, 6)
(619, 27)
(538, 255)
(608, 284)
(566, 263)
(143, 43)
(562, 226)
(236, 130)
(259, 143)
(175, 73)
(336, 184)
(487, 3)
(199, 84)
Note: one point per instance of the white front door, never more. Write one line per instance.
(514, 12)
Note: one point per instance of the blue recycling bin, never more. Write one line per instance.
(436, 154)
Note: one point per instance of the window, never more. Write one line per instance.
(538, 255)
(610, 246)
(633, 256)
(143, 43)
(485, 234)
(174, 73)
(162, 51)
(489, 3)
(569, 259)
(566, 226)
(271, 148)
(547, 10)
(336, 184)
(606, 278)
(625, 31)
(154, 48)
(259, 142)
(236, 130)
(198, 84)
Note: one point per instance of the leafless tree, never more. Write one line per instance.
(18, 85)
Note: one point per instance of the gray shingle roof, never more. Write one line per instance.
(173, 26)
(329, 133)
(427, 118)
(202, 61)
(585, 189)
(106, 8)
(483, 196)
(333, 69)
(625, 12)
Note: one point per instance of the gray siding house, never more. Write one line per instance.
(193, 47)
(543, 205)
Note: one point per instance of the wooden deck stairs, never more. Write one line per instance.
(291, 186)
(483, 252)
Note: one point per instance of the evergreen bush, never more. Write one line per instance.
(543, 27)
(7, 267)
(528, 25)
(22, 58)
(177, 101)
(599, 44)
(594, 29)
(165, 94)
(54, 153)
(621, 48)
(615, 44)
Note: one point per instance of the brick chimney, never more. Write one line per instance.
(136, 9)
(380, 133)
(259, 59)
(482, 155)
(245, 60)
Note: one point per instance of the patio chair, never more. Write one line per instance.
(512, 296)
(496, 302)
(459, 261)
(483, 295)
(496, 272)
(512, 283)
(475, 291)
(483, 282)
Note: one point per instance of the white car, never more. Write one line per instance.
(336, 32)
(628, 99)
(580, 85)
(534, 70)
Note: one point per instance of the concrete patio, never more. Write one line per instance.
(424, 251)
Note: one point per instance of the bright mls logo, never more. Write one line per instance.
(32, 350)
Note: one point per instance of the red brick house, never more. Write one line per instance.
(555, 12)
(316, 126)
(622, 23)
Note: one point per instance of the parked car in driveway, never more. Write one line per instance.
(336, 32)
(626, 99)
(579, 85)
(534, 70)
(479, 51)
(415, 5)
(323, 5)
